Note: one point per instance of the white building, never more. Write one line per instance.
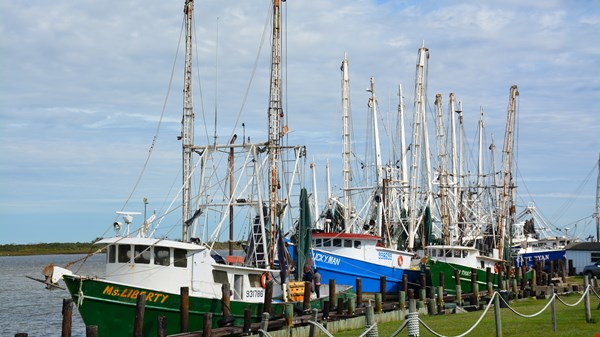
(582, 254)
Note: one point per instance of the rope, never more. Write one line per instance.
(397, 332)
(413, 324)
(320, 326)
(80, 293)
(533, 315)
(594, 291)
(587, 290)
(470, 329)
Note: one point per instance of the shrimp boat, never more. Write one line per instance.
(243, 183)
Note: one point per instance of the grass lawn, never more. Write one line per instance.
(570, 321)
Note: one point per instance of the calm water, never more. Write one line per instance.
(27, 306)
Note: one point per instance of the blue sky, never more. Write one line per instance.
(83, 85)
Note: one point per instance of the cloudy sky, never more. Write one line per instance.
(84, 84)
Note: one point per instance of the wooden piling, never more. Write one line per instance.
(67, 321)
(378, 303)
(312, 329)
(268, 297)
(307, 295)
(340, 305)
(184, 309)
(382, 287)
(289, 315)
(140, 307)
(488, 277)
(326, 307)
(474, 293)
(351, 305)
(246, 329)
(359, 297)
(586, 300)
(92, 331)
(161, 326)
(440, 300)
(553, 308)
(207, 327)
(497, 315)
(264, 322)
(402, 301)
(431, 305)
(226, 299)
(405, 283)
(331, 292)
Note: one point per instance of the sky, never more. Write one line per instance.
(83, 86)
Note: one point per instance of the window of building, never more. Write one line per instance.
(595, 256)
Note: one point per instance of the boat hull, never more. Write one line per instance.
(111, 307)
(345, 270)
(529, 259)
(436, 267)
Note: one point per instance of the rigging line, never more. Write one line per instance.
(200, 82)
(154, 139)
(255, 67)
(569, 201)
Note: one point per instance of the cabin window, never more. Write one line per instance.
(142, 254)
(112, 254)
(448, 253)
(348, 243)
(595, 256)
(220, 276)
(162, 256)
(433, 252)
(318, 242)
(337, 242)
(457, 253)
(357, 244)
(326, 243)
(254, 280)
(482, 265)
(124, 253)
(180, 257)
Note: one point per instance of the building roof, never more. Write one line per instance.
(587, 246)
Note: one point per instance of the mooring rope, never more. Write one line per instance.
(587, 290)
(470, 329)
(532, 315)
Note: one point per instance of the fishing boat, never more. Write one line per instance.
(239, 184)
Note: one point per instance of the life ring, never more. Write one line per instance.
(496, 268)
(400, 260)
(264, 278)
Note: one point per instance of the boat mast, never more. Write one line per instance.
(275, 114)
(346, 141)
(379, 169)
(187, 123)
(402, 137)
(418, 127)
(443, 171)
(506, 206)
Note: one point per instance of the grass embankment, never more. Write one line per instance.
(47, 248)
(66, 248)
(570, 321)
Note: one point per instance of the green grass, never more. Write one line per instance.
(570, 321)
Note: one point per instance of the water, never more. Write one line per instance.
(27, 306)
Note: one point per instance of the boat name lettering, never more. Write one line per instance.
(465, 272)
(255, 293)
(385, 256)
(318, 257)
(133, 293)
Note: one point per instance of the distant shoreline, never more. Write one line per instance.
(65, 248)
